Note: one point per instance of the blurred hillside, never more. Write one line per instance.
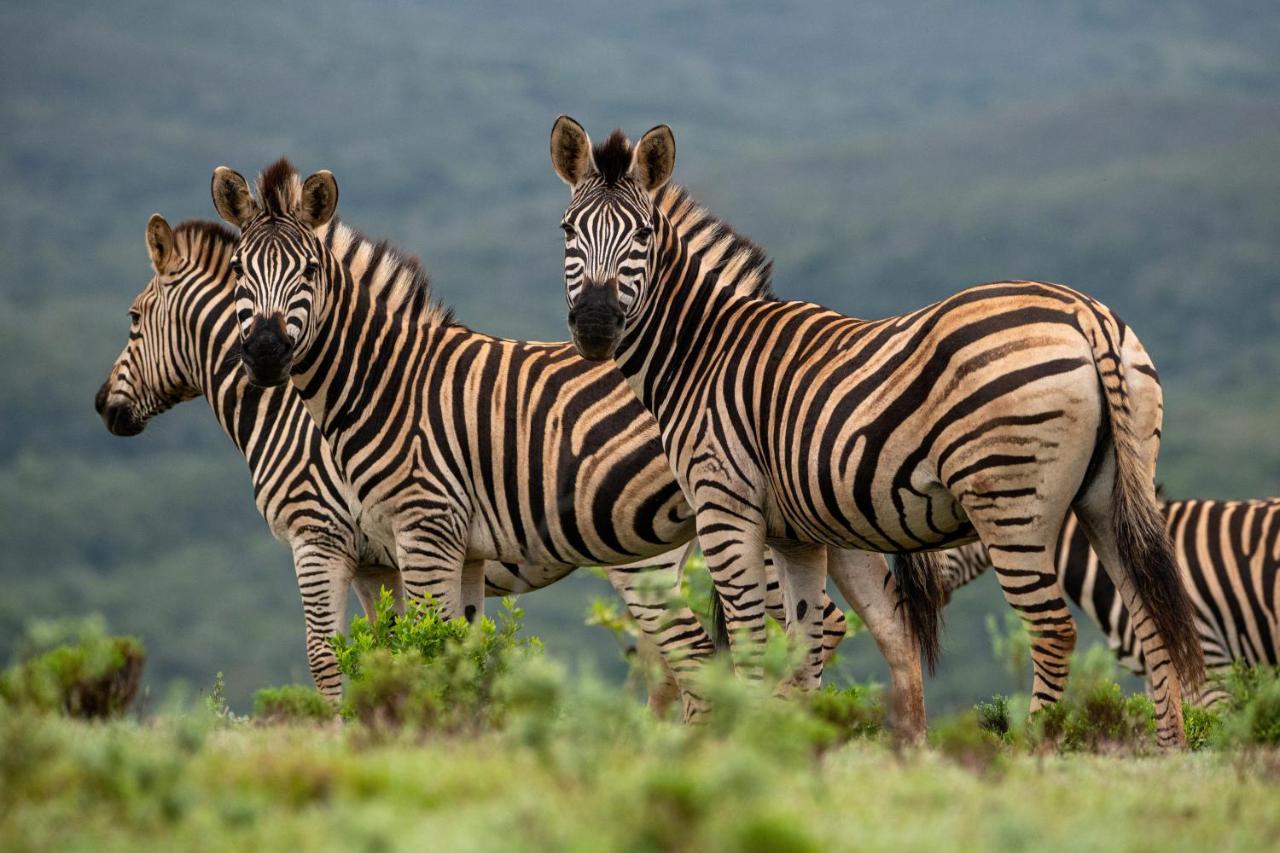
(886, 153)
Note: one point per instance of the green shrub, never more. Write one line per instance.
(965, 741)
(1254, 718)
(854, 711)
(1096, 718)
(994, 716)
(291, 703)
(1202, 725)
(420, 670)
(91, 675)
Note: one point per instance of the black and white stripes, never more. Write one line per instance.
(459, 446)
(1229, 556)
(990, 415)
(183, 343)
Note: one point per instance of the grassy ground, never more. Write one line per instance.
(617, 784)
(469, 738)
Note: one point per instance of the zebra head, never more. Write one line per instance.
(277, 264)
(154, 372)
(608, 227)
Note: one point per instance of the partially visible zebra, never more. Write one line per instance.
(1229, 555)
(989, 414)
(460, 445)
(183, 344)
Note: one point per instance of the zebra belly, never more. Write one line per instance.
(928, 517)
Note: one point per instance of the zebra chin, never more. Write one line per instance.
(594, 347)
(119, 418)
(596, 323)
(267, 354)
(269, 376)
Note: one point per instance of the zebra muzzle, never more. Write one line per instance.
(267, 352)
(118, 417)
(596, 322)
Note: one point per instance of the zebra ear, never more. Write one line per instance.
(231, 196)
(159, 242)
(571, 151)
(319, 199)
(655, 158)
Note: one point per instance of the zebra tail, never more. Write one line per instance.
(922, 593)
(719, 626)
(1141, 538)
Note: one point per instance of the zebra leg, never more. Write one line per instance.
(473, 589)
(835, 627)
(867, 584)
(774, 604)
(369, 583)
(803, 569)
(732, 542)
(660, 680)
(1098, 523)
(1029, 582)
(432, 556)
(650, 588)
(324, 578)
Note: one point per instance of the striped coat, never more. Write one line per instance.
(460, 446)
(990, 415)
(1229, 555)
(183, 344)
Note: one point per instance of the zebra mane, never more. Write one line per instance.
(198, 231)
(397, 278)
(738, 262)
(280, 188)
(613, 158)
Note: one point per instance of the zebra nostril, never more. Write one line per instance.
(100, 399)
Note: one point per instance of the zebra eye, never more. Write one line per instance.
(569, 233)
(134, 317)
(309, 270)
(643, 233)
(236, 267)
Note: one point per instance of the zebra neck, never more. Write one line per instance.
(367, 351)
(210, 353)
(678, 324)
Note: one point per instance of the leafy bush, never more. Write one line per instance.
(966, 741)
(1254, 715)
(1202, 725)
(854, 711)
(91, 675)
(292, 702)
(994, 716)
(420, 670)
(1096, 718)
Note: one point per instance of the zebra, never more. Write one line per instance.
(183, 344)
(989, 414)
(180, 347)
(1229, 556)
(461, 446)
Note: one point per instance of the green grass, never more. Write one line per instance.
(466, 738)
(600, 778)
